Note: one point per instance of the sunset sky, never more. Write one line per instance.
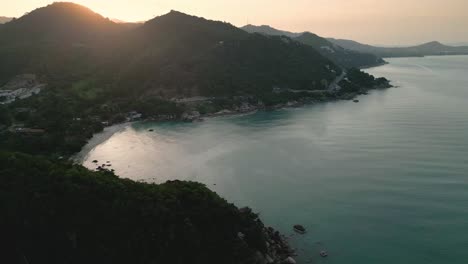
(391, 22)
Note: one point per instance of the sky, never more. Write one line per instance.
(383, 22)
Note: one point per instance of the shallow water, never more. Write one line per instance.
(381, 181)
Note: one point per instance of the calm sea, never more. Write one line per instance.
(380, 181)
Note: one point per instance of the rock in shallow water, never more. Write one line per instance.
(289, 260)
(323, 254)
(299, 229)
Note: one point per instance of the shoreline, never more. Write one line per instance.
(374, 66)
(290, 104)
(96, 140)
(109, 131)
(278, 248)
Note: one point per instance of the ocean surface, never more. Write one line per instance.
(381, 181)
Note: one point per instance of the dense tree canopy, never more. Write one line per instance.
(175, 55)
(63, 213)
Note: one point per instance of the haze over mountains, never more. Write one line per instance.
(427, 49)
(171, 54)
(344, 57)
(4, 20)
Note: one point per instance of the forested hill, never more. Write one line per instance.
(174, 54)
(341, 56)
(61, 213)
(344, 57)
(268, 30)
(427, 49)
(209, 57)
(96, 72)
(65, 22)
(92, 72)
(61, 43)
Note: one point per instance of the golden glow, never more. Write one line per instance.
(371, 21)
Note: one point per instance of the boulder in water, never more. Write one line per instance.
(289, 260)
(299, 229)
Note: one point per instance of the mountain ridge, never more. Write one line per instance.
(425, 49)
(343, 57)
(61, 21)
(266, 29)
(165, 55)
(99, 73)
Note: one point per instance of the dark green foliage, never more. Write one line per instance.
(357, 80)
(182, 55)
(5, 116)
(274, 99)
(153, 107)
(67, 121)
(59, 22)
(63, 213)
(259, 63)
(98, 71)
(343, 57)
(60, 42)
(173, 55)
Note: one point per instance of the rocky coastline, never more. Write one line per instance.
(278, 250)
(245, 107)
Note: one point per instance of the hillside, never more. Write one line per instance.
(60, 21)
(91, 81)
(174, 54)
(267, 30)
(340, 56)
(62, 213)
(427, 49)
(219, 60)
(60, 43)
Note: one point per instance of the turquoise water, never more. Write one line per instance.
(381, 181)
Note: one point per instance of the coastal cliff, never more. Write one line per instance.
(62, 213)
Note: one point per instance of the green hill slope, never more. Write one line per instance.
(61, 213)
(344, 57)
(341, 56)
(215, 58)
(175, 54)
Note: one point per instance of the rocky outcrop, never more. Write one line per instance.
(191, 116)
(278, 250)
(299, 229)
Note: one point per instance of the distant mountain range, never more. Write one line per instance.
(171, 55)
(427, 49)
(344, 57)
(4, 20)
(457, 44)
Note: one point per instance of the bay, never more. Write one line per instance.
(381, 181)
